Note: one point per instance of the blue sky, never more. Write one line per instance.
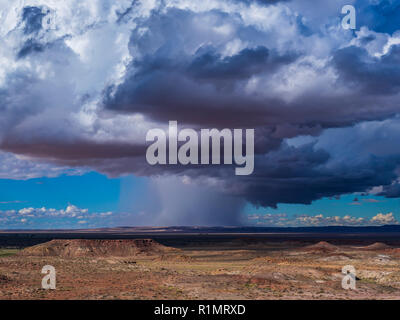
(354, 205)
(81, 83)
(92, 190)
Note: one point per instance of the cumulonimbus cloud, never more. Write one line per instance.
(80, 84)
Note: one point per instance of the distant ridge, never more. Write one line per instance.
(244, 229)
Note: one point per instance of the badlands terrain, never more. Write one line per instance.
(234, 267)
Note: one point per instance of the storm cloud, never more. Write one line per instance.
(80, 85)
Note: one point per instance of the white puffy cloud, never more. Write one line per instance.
(319, 220)
(47, 218)
(382, 218)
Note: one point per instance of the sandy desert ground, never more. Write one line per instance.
(237, 269)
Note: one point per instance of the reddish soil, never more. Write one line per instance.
(145, 269)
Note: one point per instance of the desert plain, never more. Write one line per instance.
(196, 266)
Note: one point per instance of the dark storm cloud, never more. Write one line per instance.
(164, 88)
(302, 175)
(168, 83)
(369, 74)
(391, 191)
(285, 68)
(75, 150)
(209, 65)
